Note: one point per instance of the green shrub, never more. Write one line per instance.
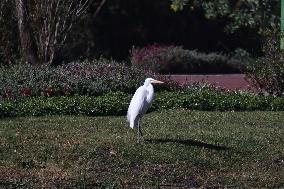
(176, 60)
(208, 100)
(267, 73)
(116, 103)
(91, 78)
(277, 104)
(109, 104)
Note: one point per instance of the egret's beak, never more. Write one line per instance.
(156, 81)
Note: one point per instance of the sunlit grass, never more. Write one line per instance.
(180, 148)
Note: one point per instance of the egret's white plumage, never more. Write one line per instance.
(140, 103)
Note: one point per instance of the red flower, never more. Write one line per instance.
(49, 91)
(26, 92)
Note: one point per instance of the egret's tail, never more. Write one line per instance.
(132, 122)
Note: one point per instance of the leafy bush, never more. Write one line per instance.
(116, 103)
(176, 60)
(267, 73)
(215, 101)
(109, 104)
(85, 78)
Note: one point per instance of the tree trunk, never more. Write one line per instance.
(27, 42)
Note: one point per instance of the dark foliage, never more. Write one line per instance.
(267, 73)
(89, 78)
(176, 60)
(123, 24)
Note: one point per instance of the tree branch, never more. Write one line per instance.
(99, 8)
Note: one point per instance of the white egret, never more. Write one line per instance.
(140, 103)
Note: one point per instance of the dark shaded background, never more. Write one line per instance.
(122, 24)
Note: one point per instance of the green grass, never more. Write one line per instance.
(181, 149)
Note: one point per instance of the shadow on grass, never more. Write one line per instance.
(189, 143)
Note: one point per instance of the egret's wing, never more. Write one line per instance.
(137, 103)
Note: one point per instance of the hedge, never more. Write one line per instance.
(117, 103)
(90, 78)
(177, 60)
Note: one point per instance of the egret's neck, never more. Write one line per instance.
(150, 90)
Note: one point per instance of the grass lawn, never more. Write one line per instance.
(182, 149)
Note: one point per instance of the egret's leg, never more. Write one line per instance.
(138, 132)
(141, 134)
